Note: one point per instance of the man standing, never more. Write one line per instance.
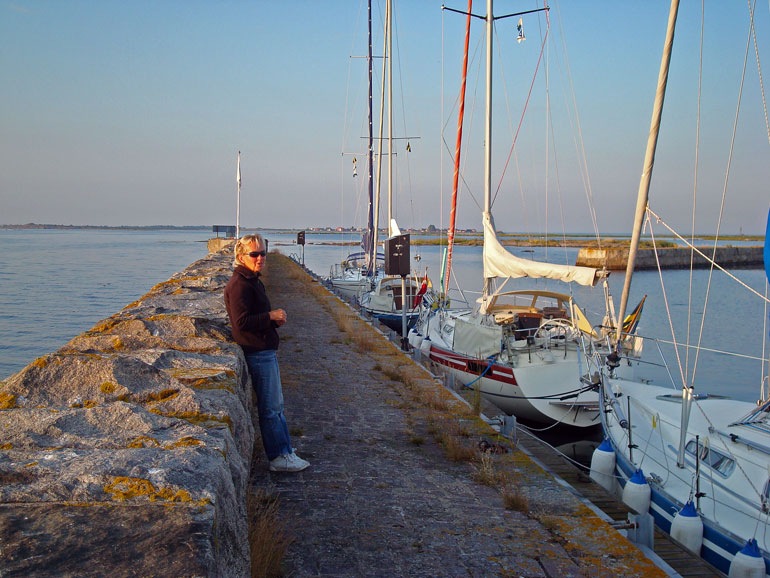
(254, 326)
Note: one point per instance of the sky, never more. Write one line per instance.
(133, 113)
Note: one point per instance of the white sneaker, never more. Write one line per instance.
(288, 463)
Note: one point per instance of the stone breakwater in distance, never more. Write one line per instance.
(128, 450)
(671, 258)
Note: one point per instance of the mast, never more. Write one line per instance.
(388, 9)
(460, 117)
(488, 129)
(371, 249)
(649, 161)
(379, 145)
(238, 200)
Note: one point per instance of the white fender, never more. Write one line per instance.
(687, 528)
(603, 466)
(636, 494)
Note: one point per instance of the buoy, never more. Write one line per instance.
(603, 466)
(636, 494)
(748, 563)
(687, 527)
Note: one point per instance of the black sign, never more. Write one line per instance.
(301, 238)
(397, 255)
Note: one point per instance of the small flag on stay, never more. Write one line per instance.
(631, 321)
(408, 147)
(520, 29)
(355, 172)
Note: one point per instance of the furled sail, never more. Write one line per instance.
(498, 262)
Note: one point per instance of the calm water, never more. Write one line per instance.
(56, 284)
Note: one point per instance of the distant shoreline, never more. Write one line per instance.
(462, 238)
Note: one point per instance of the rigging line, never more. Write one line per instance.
(403, 115)
(578, 131)
(665, 300)
(695, 188)
(722, 442)
(706, 257)
(759, 68)
(712, 350)
(500, 61)
(724, 195)
(526, 104)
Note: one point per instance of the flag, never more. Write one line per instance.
(632, 319)
(238, 175)
(408, 147)
(422, 290)
(520, 28)
(355, 172)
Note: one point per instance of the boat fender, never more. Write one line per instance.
(748, 563)
(415, 339)
(425, 347)
(603, 466)
(636, 493)
(687, 528)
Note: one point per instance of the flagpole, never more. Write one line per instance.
(238, 202)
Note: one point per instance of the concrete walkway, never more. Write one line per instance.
(397, 485)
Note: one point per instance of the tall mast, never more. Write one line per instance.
(238, 200)
(379, 142)
(455, 181)
(371, 249)
(388, 9)
(649, 161)
(488, 128)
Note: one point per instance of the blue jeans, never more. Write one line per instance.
(266, 379)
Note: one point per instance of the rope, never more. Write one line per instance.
(759, 68)
(526, 104)
(707, 258)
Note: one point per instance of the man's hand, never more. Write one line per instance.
(279, 316)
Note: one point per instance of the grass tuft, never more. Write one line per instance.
(269, 538)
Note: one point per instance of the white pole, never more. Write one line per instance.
(238, 202)
(649, 161)
(488, 127)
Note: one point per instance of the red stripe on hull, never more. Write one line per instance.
(472, 365)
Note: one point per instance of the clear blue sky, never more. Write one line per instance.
(119, 112)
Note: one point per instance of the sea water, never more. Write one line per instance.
(55, 284)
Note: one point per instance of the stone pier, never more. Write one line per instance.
(128, 451)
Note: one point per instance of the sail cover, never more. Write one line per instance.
(498, 262)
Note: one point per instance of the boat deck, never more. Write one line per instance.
(397, 485)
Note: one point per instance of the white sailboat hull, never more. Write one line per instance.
(734, 471)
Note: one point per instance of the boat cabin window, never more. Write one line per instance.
(766, 496)
(712, 458)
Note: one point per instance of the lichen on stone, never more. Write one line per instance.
(7, 400)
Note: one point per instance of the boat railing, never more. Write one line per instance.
(607, 349)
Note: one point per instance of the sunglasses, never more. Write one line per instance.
(255, 254)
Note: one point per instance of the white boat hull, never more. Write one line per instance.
(536, 389)
(731, 507)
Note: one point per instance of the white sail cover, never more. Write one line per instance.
(498, 262)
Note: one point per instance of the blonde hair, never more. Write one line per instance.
(240, 246)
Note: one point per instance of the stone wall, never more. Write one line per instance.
(127, 452)
(670, 258)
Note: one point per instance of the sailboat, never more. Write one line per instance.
(523, 349)
(360, 270)
(391, 299)
(698, 463)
